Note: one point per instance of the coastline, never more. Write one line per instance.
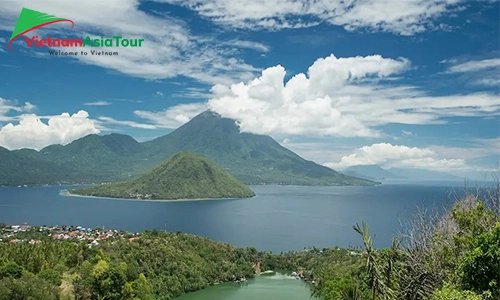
(65, 192)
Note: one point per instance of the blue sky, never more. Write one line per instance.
(396, 83)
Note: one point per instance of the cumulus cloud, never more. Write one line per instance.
(338, 97)
(174, 116)
(97, 103)
(32, 132)
(398, 156)
(158, 93)
(170, 48)
(339, 154)
(406, 18)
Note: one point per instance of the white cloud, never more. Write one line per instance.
(31, 132)
(109, 120)
(170, 49)
(475, 65)
(406, 18)
(340, 154)
(191, 92)
(389, 155)
(407, 133)
(125, 100)
(484, 148)
(28, 107)
(489, 81)
(174, 116)
(8, 106)
(248, 45)
(493, 143)
(320, 151)
(484, 72)
(158, 93)
(338, 97)
(97, 103)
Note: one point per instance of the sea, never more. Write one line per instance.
(277, 219)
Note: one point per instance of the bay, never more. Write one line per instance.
(276, 287)
(279, 218)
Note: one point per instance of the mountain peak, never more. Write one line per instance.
(210, 113)
(252, 158)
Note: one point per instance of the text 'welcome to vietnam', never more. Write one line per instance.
(115, 41)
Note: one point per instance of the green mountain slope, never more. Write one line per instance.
(183, 176)
(92, 158)
(253, 159)
(104, 156)
(28, 167)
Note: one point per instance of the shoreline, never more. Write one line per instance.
(68, 194)
(253, 184)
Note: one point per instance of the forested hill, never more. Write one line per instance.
(252, 159)
(185, 175)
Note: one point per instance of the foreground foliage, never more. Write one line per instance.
(455, 255)
(452, 256)
(158, 265)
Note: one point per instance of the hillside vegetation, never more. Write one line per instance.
(185, 175)
(452, 256)
(252, 159)
(155, 266)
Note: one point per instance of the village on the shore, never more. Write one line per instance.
(26, 233)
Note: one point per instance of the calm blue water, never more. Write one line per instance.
(279, 218)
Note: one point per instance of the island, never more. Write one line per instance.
(183, 176)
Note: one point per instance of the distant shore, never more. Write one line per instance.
(67, 193)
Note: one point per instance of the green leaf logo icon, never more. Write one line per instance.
(30, 20)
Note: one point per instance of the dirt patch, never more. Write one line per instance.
(67, 286)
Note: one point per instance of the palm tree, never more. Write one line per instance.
(377, 283)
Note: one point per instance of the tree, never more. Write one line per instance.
(450, 293)
(142, 289)
(378, 286)
(11, 270)
(480, 268)
(51, 276)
